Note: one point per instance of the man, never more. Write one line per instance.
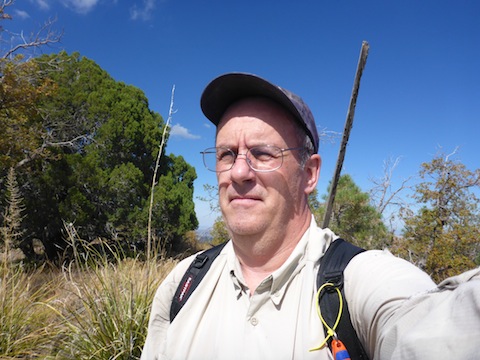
(258, 299)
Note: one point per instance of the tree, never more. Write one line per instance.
(353, 217)
(313, 203)
(443, 236)
(219, 232)
(173, 207)
(102, 141)
(22, 87)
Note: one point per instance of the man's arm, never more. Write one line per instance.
(400, 313)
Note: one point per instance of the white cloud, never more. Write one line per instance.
(80, 6)
(22, 14)
(180, 131)
(42, 4)
(144, 12)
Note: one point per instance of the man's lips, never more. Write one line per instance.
(246, 199)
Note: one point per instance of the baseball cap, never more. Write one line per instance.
(226, 89)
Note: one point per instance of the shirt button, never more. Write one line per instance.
(254, 321)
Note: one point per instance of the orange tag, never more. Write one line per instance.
(339, 350)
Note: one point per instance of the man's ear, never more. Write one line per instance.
(312, 168)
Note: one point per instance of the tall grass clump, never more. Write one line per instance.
(106, 304)
(26, 326)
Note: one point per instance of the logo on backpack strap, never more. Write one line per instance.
(185, 288)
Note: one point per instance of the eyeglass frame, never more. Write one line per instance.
(248, 161)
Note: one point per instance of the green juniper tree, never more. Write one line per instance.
(443, 236)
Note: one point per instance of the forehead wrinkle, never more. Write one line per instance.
(247, 135)
(266, 118)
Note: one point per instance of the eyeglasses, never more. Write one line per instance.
(263, 158)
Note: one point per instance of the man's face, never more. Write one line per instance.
(253, 203)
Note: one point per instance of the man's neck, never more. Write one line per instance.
(261, 255)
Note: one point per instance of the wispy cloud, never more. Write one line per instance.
(143, 12)
(180, 131)
(80, 6)
(140, 10)
(21, 14)
(42, 4)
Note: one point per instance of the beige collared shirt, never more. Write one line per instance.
(279, 321)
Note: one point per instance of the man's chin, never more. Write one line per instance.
(245, 226)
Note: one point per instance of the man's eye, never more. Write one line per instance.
(262, 154)
(225, 155)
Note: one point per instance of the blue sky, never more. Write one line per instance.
(419, 93)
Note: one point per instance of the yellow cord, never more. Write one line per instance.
(330, 330)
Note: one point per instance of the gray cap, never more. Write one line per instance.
(226, 89)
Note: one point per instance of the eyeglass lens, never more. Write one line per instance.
(259, 158)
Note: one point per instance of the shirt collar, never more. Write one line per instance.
(311, 247)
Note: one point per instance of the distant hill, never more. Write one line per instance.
(204, 235)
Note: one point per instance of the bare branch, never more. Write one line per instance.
(211, 198)
(72, 143)
(43, 37)
(5, 4)
(447, 157)
(329, 135)
(382, 194)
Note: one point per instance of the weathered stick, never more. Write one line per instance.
(166, 129)
(346, 133)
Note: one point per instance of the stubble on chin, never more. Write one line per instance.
(242, 224)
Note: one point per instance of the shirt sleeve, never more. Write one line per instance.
(160, 312)
(400, 313)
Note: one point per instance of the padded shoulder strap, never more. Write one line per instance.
(192, 277)
(332, 264)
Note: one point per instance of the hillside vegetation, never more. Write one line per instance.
(78, 153)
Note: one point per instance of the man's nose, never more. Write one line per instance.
(241, 170)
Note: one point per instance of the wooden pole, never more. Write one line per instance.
(346, 133)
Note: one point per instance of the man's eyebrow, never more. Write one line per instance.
(223, 145)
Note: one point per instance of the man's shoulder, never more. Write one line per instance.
(380, 274)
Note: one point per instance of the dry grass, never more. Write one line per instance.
(25, 324)
(99, 311)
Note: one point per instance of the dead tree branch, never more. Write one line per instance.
(44, 36)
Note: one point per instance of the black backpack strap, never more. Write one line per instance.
(192, 277)
(332, 265)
